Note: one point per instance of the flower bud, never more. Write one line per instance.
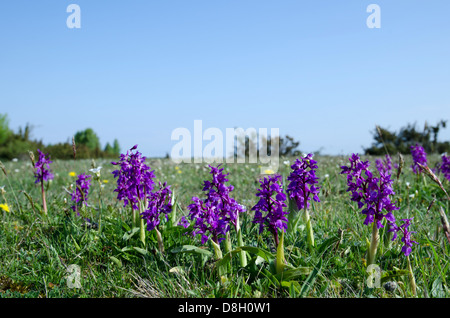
(31, 155)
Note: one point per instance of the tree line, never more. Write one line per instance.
(385, 141)
(16, 144)
(87, 143)
(391, 142)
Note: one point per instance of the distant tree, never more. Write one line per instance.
(108, 148)
(25, 134)
(288, 147)
(88, 138)
(17, 144)
(116, 147)
(113, 150)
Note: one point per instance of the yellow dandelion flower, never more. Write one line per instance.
(4, 207)
(105, 181)
(268, 171)
(72, 174)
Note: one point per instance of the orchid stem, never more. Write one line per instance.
(373, 245)
(44, 202)
(309, 230)
(280, 261)
(141, 223)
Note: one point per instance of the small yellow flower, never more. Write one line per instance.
(72, 174)
(4, 207)
(268, 171)
(105, 181)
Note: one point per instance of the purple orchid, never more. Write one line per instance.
(419, 156)
(134, 178)
(406, 239)
(302, 179)
(42, 166)
(372, 194)
(219, 195)
(384, 165)
(208, 221)
(445, 167)
(271, 203)
(159, 202)
(217, 211)
(81, 192)
(42, 173)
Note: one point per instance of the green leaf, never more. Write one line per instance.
(116, 261)
(126, 227)
(126, 249)
(293, 273)
(268, 256)
(38, 207)
(191, 249)
(76, 244)
(293, 286)
(130, 233)
(311, 279)
(272, 279)
(140, 250)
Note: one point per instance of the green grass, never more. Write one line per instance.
(36, 250)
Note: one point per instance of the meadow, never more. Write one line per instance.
(38, 250)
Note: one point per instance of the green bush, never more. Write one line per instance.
(393, 142)
(17, 145)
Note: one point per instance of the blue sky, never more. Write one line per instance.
(136, 70)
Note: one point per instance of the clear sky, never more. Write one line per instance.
(138, 69)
